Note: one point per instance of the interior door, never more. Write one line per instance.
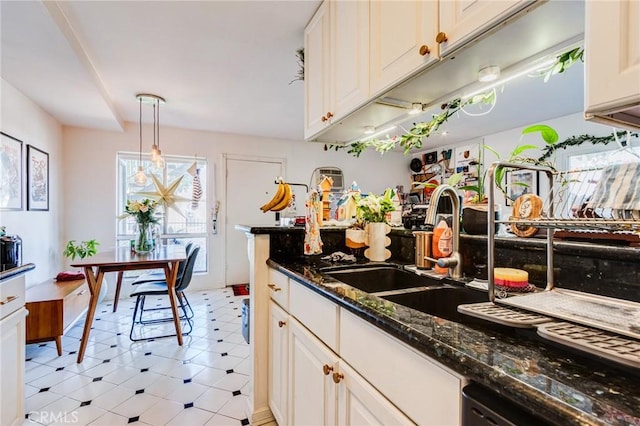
(250, 183)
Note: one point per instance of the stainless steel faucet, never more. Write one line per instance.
(453, 262)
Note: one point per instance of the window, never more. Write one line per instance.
(183, 221)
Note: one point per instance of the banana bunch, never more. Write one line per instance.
(280, 200)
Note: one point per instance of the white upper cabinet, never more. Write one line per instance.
(316, 72)
(612, 57)
(463, 20)
(336, 62)
(402, 40)
(349, 23)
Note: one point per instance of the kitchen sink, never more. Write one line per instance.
(379, 278)
(440, 301)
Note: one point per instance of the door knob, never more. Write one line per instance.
(281, 324)
(337, 377)
(273, 287)
(441, 37)
(326, 369)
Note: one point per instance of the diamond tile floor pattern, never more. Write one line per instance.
(151, 382)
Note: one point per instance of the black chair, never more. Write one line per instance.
(159, 276)
(159, 288)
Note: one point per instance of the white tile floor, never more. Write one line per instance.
(155, 382)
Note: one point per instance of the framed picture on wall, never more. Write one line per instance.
(520, 182)
(37, 179)
(10, 172)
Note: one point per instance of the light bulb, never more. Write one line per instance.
(154, 152)
(160, 163)
(140, 178)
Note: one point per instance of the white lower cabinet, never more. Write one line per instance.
(360, 376)
(359, 403)
(278, 362)
(312, 392)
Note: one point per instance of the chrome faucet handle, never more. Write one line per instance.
(446, 262)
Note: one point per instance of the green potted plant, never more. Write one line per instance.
(82, 249)
(372, 210)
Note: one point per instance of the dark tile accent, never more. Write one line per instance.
(29, 359)
(42, 344)
(43, 390)
(85, 403)
(118, 334)
(74, 352)
(224, 354)
(151, 340)
(236, 393)
(104, 312)
(210, 312)
(230, 371)
(147, 353)
(219, 340)
(106, 361)
(239, 316)
(113, 346)
(244, 422)
(59, 368)
(186, 381)
(133, 419)
(98, 319)
(97, 379)
(216, 329)
(144, 370)
(186, 361)
(235, 309)
(188, 405)
(139, 391)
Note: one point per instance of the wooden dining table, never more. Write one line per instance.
(123, 259)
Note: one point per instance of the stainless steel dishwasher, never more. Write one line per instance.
(482, 406)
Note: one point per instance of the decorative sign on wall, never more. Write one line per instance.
(37, 179)
(10, 173)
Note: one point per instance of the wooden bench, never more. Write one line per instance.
(54, 306)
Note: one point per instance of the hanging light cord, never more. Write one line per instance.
(140, 150)
(158, 130)
(154, 124)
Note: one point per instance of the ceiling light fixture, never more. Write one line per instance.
(490, 73)
(369, 130)
(416, 108)
(155, 100)
(525, 71)
(140, 177)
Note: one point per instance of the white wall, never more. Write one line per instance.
(90, 176)
(41, 231)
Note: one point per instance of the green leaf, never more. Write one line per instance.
(520, 149)
(549, 135)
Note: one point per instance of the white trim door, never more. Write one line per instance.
(249, 183)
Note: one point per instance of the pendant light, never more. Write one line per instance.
(155, 100)
(140, 178)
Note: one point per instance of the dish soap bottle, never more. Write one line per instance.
(442, 243)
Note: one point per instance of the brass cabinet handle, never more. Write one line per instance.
(441, 37)
(329, 115)
(337, 377)
(424, 50)
(8, 299)
(273, 287)
(281, 324)
(326, 369)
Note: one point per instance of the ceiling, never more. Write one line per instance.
(222, 66)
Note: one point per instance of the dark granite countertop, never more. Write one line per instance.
(9, 273)
(561, 386)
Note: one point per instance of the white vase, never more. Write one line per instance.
(376, 238)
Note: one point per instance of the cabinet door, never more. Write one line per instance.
(278, 361)
(312, 393)
(349, 22)
(463, 20)
(359, 403)
(12, 342)
(612, 55)
(399, 30)
(316, 72)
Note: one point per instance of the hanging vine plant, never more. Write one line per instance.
(414, 137)
(549, 150)
(300, 74)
